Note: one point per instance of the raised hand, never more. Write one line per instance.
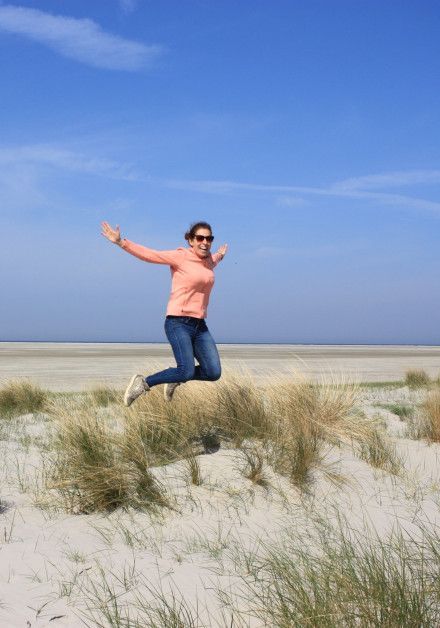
(114, 235)
(222, 250)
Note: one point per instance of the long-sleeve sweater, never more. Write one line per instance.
(192, 277)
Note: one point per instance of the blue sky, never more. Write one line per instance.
(307, 133)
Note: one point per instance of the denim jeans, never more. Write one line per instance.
(189, 338)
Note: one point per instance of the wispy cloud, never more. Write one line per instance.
(128, 6)
(357, 188)
(40, 155)
(45, 156)
(390, 179)
(79, 39)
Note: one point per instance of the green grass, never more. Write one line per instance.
(403, 411)
(346, 580)
(254, 468)
(379, 451)
(104, 395)
(386, 384)
(21, 397)
(430, 419)
(97, 469)
(104, 459)
(417, 378)
(324, 575)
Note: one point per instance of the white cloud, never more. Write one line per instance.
(390, 179)
(38, 157)
(341, 189)
(46, 155)
(128, 6)
(79, 39)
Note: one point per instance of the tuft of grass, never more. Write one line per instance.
(193, 469)
(104, 395)
(431, 416)
(378, 451)
(297, 454)
(304, 416)
(155, 430)
(148, 606)
(417, 378)
(238, 407)
(403, 411)
(346, 579)
(254, 465)
(105, 462)
(97, 469)
(20, 397)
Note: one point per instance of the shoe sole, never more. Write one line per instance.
(127, 390)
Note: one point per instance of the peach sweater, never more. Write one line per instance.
(192, 277)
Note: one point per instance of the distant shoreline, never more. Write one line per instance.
(281, 344)
(78, 365)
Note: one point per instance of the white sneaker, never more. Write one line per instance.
(169, 389)
(135, 388)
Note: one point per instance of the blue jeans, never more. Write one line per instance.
(189, 338)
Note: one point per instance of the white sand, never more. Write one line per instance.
(52, 564)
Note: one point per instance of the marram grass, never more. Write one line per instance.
(327, 575)
(105, 456)
(96, 467)
(431, 416)
(340, 578)
(21, 397)
(417, 378)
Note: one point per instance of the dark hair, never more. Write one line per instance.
(189, 235)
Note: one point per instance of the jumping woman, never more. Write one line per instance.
(192, 281)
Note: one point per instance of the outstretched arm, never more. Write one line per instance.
(220, 253)
(142, 252)
(114, 235)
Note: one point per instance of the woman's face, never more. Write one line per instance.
(201, 249)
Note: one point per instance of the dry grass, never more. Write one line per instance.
(20, 397)
(105, 463)
(105, 395)
(431, 415)
(254, 469)
(417, 378)
(193, 470)
(96, 467)
(346, 579)
(304, 416)
(379, 451)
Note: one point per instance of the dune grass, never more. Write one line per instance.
(254, 459)
(379, 452)
(96, 468)
(105, 395)
(326, 575)
(21, 397)
(403, 411)
(417, 378)
(105, 456)
(347, 579)
(431, 416)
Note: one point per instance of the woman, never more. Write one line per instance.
(192, 280)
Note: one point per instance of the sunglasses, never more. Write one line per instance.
(200, 238)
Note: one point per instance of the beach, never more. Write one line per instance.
(75, 366)
(210, 511)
